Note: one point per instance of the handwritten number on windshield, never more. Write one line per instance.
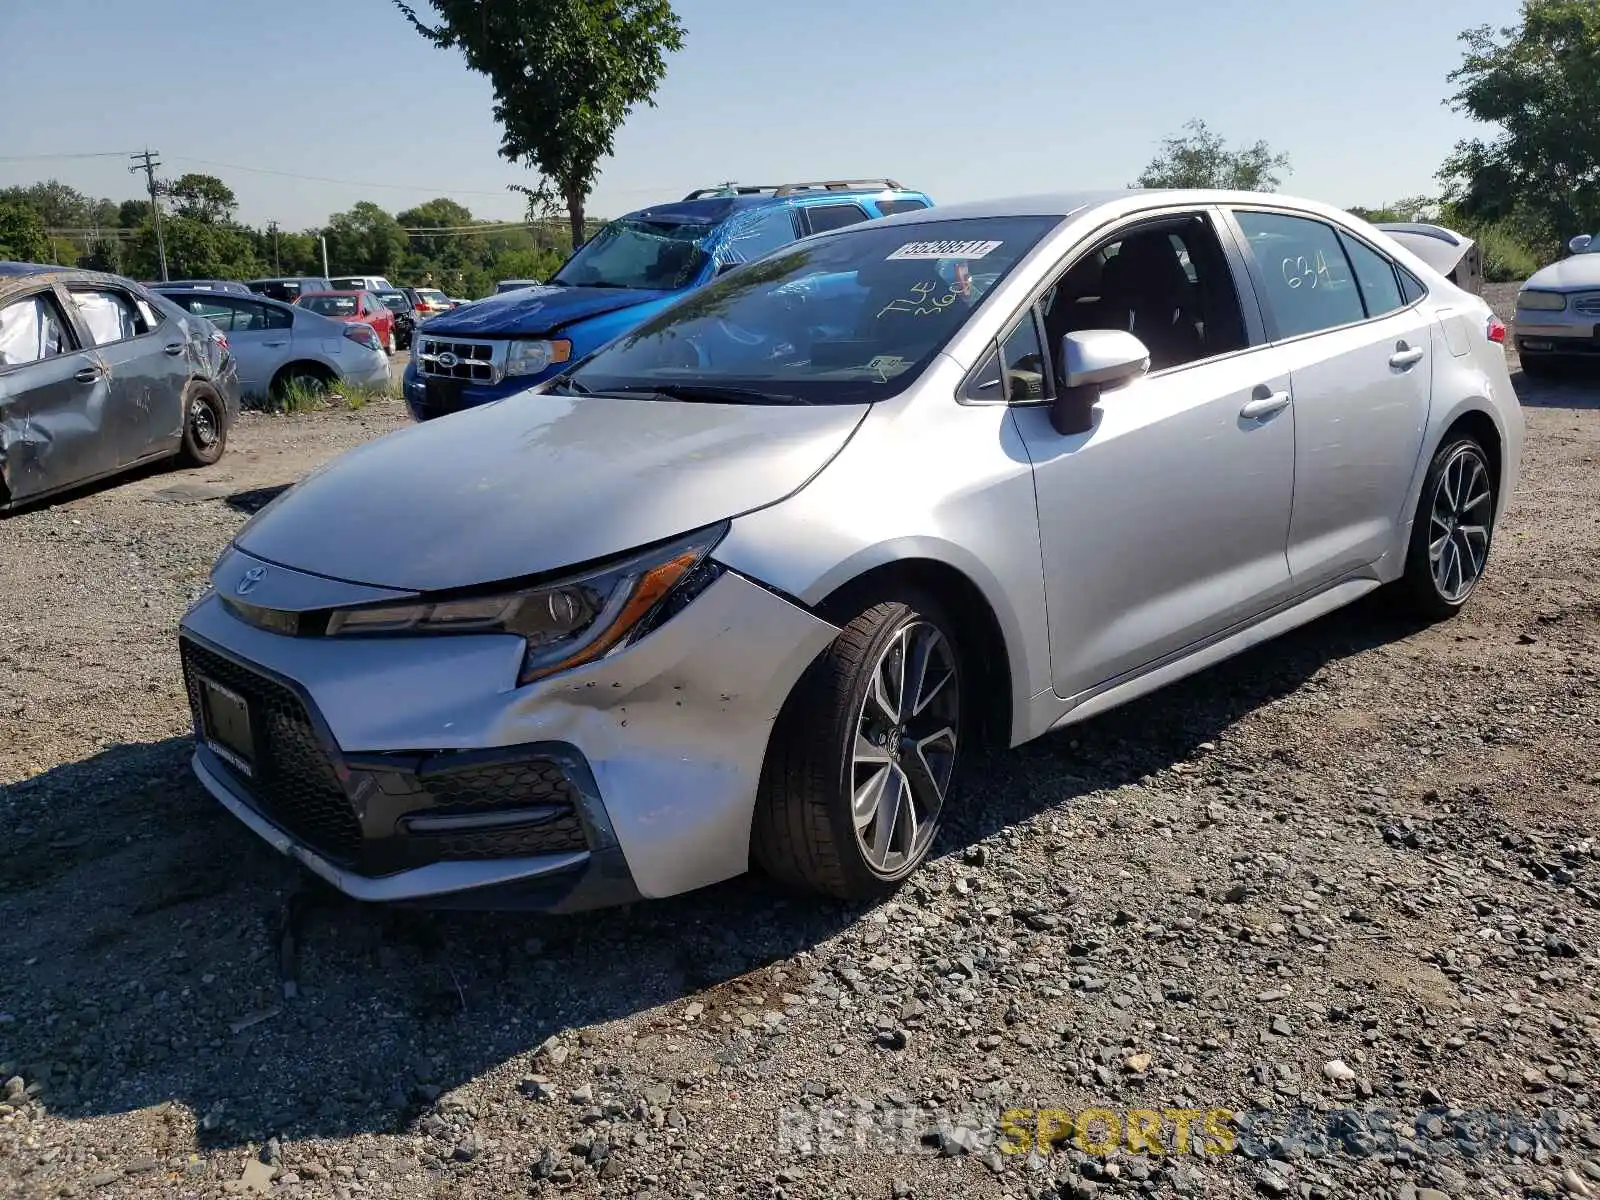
(921, 302)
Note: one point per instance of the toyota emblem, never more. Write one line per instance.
(448, 360)
(247, 581)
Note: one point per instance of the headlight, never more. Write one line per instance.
(565, 623)
(529, 358)
(1544, 301)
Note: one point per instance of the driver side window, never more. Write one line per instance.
(1167, 282)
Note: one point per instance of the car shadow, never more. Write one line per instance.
(145, 959)
(253, 500)
(1573, 385)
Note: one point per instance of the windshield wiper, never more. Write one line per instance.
(710, 393)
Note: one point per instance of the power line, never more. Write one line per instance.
(408, 187)
(57, 157)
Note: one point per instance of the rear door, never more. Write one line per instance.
(53, 399)
(1360, 357)
(144, 366)
(258, 335)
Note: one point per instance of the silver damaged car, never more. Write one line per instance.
(750, 584)
(1558, 310)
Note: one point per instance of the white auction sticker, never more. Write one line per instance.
(933, 250)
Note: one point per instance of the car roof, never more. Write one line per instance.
(1115, 202)
(27, 268)
(335, 292)
(284, 278)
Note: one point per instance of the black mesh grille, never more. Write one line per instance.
(499, 785)
(560, 835)
(294, 784)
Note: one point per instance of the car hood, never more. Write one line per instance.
(536, 483)
(542, 309)
(1581, 270)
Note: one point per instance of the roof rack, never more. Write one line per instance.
(790, 189)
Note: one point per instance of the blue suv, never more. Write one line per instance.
(630, 270)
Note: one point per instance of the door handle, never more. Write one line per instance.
(173, 348)
(1404, 359)
(86, 375)
(1263, 407)
(274, 344)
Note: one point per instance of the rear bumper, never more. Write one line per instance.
(370, 369)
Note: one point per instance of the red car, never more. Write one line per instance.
(359, 307)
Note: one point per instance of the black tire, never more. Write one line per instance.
(1420, 587)
(805, 833)
(205, 426)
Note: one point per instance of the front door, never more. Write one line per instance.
(1166, 524)
(146, 369)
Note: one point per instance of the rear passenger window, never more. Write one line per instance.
(108, 316)
(1308, 282)
(278, 318)
(1410, 286)
(834, 216)
(1375, 275)
(889, 207)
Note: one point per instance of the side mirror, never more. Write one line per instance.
(1091, 361)
(1581, 243)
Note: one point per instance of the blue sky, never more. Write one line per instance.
(963, 98)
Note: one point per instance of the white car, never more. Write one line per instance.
(1558, 310)
(748, 584)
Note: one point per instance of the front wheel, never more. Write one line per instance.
(864, 755)
(1451, 533)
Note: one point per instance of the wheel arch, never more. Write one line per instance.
(295, 366)
(983, 634)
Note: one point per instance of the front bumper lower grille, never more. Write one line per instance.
(381, 813)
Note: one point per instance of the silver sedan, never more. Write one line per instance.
(278, 345)
(1558, 310)
(749, 584)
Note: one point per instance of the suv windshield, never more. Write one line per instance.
(840, 319)
(630, 253)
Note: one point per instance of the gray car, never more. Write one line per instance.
(279, 345)
(1558, 310)
(99, 375)
(749, 584)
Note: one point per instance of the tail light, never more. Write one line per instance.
(365, 335)
(1497, 330)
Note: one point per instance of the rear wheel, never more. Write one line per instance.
(205, 426)
(864, 755)
(1451, 533)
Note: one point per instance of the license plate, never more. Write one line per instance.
(225, 722)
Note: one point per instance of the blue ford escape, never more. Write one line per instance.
(634, 267)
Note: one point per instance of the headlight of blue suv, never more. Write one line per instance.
(565, 623)
(529, 358)
(1541, 301)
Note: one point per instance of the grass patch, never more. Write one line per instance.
(304, 397)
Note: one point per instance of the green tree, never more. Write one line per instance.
(365, 239)
(1199, 158)
(1537, 82)
(201, 198)
(22, 235)
(133, 213)
(566, 74)
(195, 250)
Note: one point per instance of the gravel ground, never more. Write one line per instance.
(1350, 874)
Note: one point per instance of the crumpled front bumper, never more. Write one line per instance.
(662, 743)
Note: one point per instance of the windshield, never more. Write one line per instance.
(841, 319)
(330, 306)
(630, 253)
(394, 300)
(431, 296)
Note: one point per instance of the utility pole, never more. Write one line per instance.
(147, 163)
(277, 265)
(323, 238)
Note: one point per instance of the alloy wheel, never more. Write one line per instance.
(1459, 524)
(905, 746)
